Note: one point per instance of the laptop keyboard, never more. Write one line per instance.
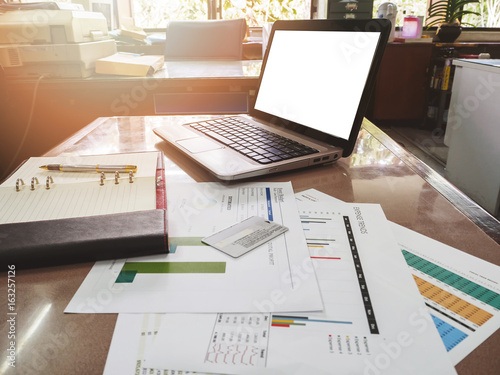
(257, 143)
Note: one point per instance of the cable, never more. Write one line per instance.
(28, 125)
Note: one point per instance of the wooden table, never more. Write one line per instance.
(378, 171)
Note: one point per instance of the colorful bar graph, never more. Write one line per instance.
(322, 241)
(452, 279)
(450, 335)
(307, 217)
(131, 269)
(287, 321)
(173, 242)
(317, 244)
(451, 302)
(269, 205)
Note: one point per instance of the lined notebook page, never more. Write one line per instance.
(145, 161)
(79, 194)
(76, 200)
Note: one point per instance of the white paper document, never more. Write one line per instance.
(461, 292)
(131, 341)
(275, 277)
(374, 320)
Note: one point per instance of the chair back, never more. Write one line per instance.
(205, 40)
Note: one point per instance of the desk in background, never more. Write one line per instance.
(403, 95)
(379, 171)
(64, 106)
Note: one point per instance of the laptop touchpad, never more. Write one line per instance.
(198, 144)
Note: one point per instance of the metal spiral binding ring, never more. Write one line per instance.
(19, 182)
(103, 177)
(34, 181)
(130, 177)
(117, 176)
(48, 181)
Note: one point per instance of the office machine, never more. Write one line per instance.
(42, 26)
(58, 43)
(54, 60)
(105, 7)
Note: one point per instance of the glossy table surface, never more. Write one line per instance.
(378, 171)
(171, 70)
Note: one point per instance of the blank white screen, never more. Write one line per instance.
(316, 78)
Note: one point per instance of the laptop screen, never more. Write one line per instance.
(317, 78)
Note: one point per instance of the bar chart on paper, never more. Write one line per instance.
(462, 292)
(131, 269)
(360, 271)
(463, 309)
(194, 277)
(337, 263)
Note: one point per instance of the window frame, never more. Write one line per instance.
(125, 13)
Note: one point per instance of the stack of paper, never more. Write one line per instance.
(133, 32)
(333, 293)
(129, 64)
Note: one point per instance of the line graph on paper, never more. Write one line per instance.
(239, 339)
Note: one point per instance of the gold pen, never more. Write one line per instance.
(89, 168)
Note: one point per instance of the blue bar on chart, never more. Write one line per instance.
(450, 335)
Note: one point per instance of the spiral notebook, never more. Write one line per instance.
(50, 218)
(33, 194)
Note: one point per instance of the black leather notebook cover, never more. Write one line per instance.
(84, 239)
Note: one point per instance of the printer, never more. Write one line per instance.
(61, 43)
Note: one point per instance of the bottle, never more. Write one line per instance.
(389, 11)
(410, 27)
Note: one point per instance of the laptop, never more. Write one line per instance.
(313, 92)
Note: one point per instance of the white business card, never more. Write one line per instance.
(240, 238)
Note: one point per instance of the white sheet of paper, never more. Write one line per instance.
(466, 281)
(131, 341)
(374, 319)
(475, 286)
(277, 276)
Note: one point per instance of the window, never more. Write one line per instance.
(155, 14)
(259, 12)
(489, 11)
